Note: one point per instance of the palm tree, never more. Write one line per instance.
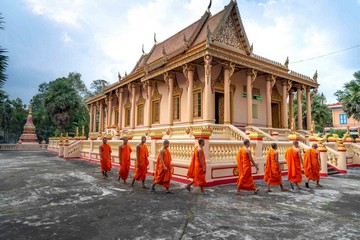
(3, 59)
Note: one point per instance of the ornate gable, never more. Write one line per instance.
(227, 34)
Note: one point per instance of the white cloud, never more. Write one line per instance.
(66, 38)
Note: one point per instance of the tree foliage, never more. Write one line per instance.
(350, 97)
(319, 112)
(3, 59)
(97, 86)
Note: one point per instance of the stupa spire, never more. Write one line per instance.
(29, 135)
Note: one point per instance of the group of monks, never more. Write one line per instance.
(197, 169)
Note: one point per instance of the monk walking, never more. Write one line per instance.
(272, 173)
(312, 165)
(124, 157)
(197, 168)
(142, 162)
(244, 160)
(294, 162)
(163, 170)
(105, 157)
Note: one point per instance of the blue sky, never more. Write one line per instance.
(47, 39)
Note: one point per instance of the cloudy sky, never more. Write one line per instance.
(47, 39)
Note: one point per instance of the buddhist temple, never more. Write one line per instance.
(29, 134)
(205, 81)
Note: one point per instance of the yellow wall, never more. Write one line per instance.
(336, 119)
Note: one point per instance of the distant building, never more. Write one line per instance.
(341, 120)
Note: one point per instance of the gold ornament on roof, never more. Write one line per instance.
(287, 63)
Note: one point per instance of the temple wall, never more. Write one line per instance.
(240, 110)
(260, 83)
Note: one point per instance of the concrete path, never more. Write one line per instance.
(44, 197)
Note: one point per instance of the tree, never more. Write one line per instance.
(319, 112)
(3, 59)
(350, 97)
(97, 86)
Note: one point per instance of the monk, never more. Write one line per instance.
(163, 168)
(244, 160)
(105, 157)
(197, 168)
(124, 157)
(142, 162)
(312, 165)
(294, 162)
(272, 173)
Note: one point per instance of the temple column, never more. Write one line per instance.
(208, 106)
(132, 88)
(93, 129)
(189, 74)
(228, 72)
(169, 79)
(284, 113)
(101, 118)
(120, 97)
(250, 78)
(270, 82)
(91, 118)
(291, 110)
(308, 109)
(299, 105)
(148, 86)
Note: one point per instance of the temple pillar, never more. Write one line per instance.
(299, 107)
(189, 74)
(208, 109)
(120, 97)
(291, 110)
(101, 118)
(94, 119)
(148, 86)
(169, 79)
(270, 82)
(308, 109)
(284, 113)
(228, 71)
(250, 78)
(91, 111)
(132, 88)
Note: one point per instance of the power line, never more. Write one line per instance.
(325, 55)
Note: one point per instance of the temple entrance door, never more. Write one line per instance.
(219, 108)
(275, 113)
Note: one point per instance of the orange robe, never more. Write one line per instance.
(196, 170)
(160, 176)
(105, 164)
(294, 165)
(311, 165)
(140, 172)
(125, 162)
(272, 174)
(245, 180)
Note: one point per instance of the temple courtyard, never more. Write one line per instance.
(45, 197)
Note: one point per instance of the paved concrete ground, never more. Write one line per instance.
(44, 197)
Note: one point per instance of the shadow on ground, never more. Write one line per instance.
(44, 197)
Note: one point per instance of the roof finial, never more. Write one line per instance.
(251, 47)
(155, 38)
(143, 50)
(208, 9)
(119, 76)
(315, 76)
(287, 63)
(125, 73)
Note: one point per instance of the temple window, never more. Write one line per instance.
(127, 116)
(176, 108)
(140, 114)
(116, 117)
(197, 104)
(254, 110)
(343, 118)
(156, 111)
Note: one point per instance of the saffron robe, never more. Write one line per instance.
(294, 166)
(272, 174)
(125, 162)
(105, 164)
(196, 170)
(141, 171)
(311, 165)
(161, 176)
(245, 180)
